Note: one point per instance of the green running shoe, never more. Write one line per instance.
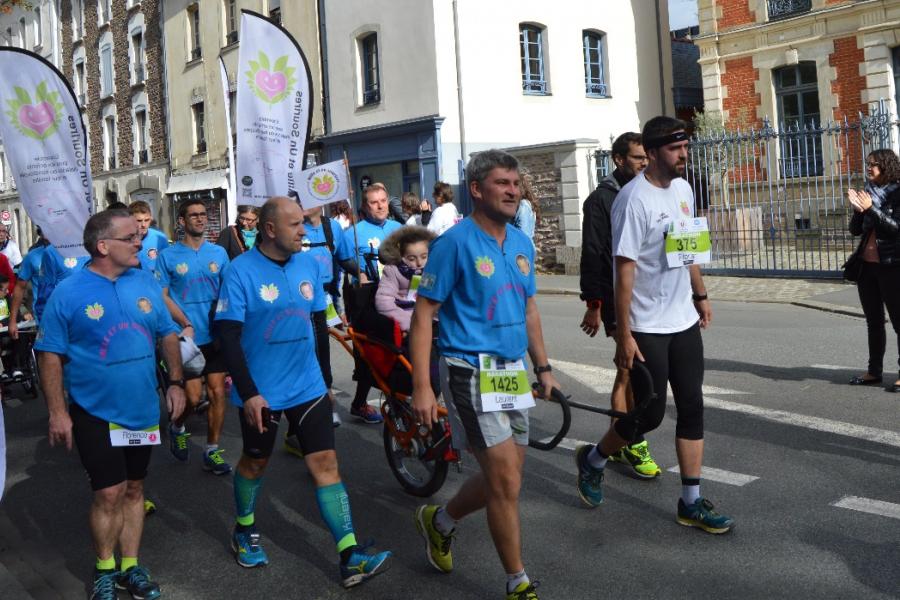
(590, 480)
(524, 591)
(701, 514)
(137, 581)
(638, 457)
(149, 507)
(178, 444)
(215, 464)
(438, 544)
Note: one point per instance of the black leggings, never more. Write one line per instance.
(879, 286)
(675, 358)
(323, 347)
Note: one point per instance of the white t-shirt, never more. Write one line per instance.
(641, 213)
(443, 218)
(12, 253)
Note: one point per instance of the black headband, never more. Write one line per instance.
(678, 136)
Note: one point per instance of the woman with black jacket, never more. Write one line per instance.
(240, 237)
(876, 218)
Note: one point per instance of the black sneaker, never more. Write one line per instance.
(137, 581)
(104, 584)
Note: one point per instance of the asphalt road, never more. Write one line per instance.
(808, 466)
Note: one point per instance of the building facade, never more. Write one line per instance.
(197, 33)
(415, 87)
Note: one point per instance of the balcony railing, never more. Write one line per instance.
(595, 89)
(534, 86)
(143, 157)
(232, 37)
(201, 147)
(112, 162)
(782, 9)
(196, 53)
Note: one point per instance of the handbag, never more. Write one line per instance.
(852, 267)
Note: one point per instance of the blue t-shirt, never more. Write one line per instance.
(322, 255)
(153, 243)
(107, 332)
(274, 303)
(368, 237)
(193, 278)
(30, 270)
(483, 290)
(55, 268)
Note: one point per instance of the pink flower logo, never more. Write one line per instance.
(152, 438)
(485, 266)
(94, 311)
(36, 118)
(271, 83)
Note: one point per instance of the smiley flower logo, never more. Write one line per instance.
(70, 263)
(94, 311)
(269, 293)
(485, 266)
(374, 242)
(181, 268)
(270, 83)
(36, 118)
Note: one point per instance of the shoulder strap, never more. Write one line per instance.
(329, 234)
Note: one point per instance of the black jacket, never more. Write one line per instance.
(231, 239)
(886, 223)
(596, 245)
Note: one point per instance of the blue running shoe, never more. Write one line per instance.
(590, 480)
(362, 566)
(701, 514)
(367, 414)
(247, 551)
(178, 443)
(137, 581)
(215, 464)
(105, 584)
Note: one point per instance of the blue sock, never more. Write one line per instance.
(334, 505)
(245, 493)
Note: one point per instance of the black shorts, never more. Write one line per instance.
(310, 422)
(215, 360)
(106, 465)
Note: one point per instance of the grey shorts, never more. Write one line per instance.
(469, 425)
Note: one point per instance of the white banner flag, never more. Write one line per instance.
(324, 184)
(44, 137)
(231, 205)
(274, 111)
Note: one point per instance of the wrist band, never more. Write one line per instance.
(700, 297)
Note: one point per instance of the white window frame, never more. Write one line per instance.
(136, 26)
(227, 5)
(110, 146)
(140, 104)
(77, 19)
(80, 83)
(194, 39)
(195, 129)
(106, 41)
(3, 185)
(23, 30)
(38, 29)
(104, 9)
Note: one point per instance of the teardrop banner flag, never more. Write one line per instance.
(231, 204)
(273, 111)
(45, 141)
(324, 184)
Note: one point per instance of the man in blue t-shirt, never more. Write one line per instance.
(190, 273)
(263, 323)
(360, 239)
(55, 268)
(153, 241)
(480, 280)
(98, 334)
(29, 274)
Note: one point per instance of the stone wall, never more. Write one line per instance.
(547, 232)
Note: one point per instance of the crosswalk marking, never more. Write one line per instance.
(601, 379)
(721, 476)
(833, 367)
(868, 505)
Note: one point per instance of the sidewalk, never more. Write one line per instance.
(821, 294)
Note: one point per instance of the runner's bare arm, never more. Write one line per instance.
(60, 427)
(177, 314)
(626, 347)
(174, 394)
(420, 335)
(704, 309)
(17, 296)
(536, 349)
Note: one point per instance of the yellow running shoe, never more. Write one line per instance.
(638, 457)
(438, 550)
(524, 591)
(149, 507)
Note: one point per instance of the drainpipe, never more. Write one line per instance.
(323, 65)
(659, 54)
(459, 87)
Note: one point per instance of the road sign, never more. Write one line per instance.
(5, 217)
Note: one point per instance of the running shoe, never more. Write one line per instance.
(247, 551)
(214, 463)
(368, 414)
(178, 444)
(292, 445)
(590, 480)
(361, 566)
(137, 581)
(638, 457)
(438, 545)
(149, 507)
(105, 584)
(701, 514)
(524, 591)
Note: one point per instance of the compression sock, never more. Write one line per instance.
(245, 492)
(597, 459)
(443, 522)
(690, 490)
(106, 564)
(514, 579)
(334, 506)
(128, 562)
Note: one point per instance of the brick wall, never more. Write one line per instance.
(740, 78)
(848, 84)
(734, 14)
(547, 231)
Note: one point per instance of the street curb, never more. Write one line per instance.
(824, 306)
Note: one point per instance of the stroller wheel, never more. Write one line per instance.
(419, 476)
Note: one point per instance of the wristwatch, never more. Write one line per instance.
(178, 382)
(543, 369)
(700, 297)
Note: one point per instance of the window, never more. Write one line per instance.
(232, 110)
(194, 31)
(231, 22)
(109, 141)
(80, 83)
(781, 9)
(140, 135)
(137, 55)
(199, 128)
(275, 10)
(104, 11)
(77, 19)
(797, 93)
(371, 92)
(38, 33)
(896, 54)
(9, 36)
(22, 32)
(2, 171)
(106, 71)
(531, 41)
(594, 71)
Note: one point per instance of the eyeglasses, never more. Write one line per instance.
(247, 219)
(640, 158)
(131, 239)
(871, 164)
